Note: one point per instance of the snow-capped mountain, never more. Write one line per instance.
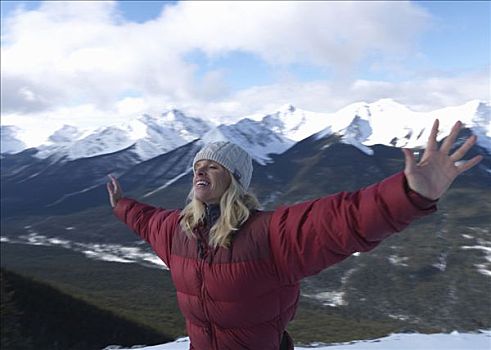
(65, 135)
(262, 135)
(389, 123)
(10, 140)
(361, 124)
(173, 129)
(295, 124)
(150, 136)
(253, 136)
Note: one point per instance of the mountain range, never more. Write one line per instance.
(66, 172)
(435, 274)
(361, 124)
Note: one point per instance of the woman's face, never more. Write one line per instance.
(210, 181)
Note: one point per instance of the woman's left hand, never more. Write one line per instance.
(437, 169)
(115, 191)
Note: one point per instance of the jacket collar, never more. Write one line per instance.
(212, 213)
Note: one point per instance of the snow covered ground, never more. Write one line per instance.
(414, 341)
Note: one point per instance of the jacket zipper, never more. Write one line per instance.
(203, 259)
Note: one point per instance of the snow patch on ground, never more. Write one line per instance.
(414, 341)
(484, 268)
(105, 252)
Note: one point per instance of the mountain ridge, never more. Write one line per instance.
(361, 124)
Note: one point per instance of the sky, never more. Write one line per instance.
(93, 63)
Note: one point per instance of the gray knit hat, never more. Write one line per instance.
(231, 157)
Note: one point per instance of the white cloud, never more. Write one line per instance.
(329, 96)
(322, 33)
(82, 61)
(79, 52)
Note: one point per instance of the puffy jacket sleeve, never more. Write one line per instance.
(154, 225)
(308, 237)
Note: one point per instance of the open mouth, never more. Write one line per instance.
(202, 184)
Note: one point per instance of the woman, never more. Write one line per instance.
(237, 269)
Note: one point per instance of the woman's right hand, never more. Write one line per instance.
(115, 191)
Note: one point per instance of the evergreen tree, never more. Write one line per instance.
(11, 337)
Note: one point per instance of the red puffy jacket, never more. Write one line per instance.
(243, 297)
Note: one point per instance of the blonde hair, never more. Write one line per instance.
(235, 208)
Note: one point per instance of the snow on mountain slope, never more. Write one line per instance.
(383, 122)
(252, 136)
(10, 142)
(295, 124)
(66, 135)
(61, 141)
(274, 133)
(475, 115)
(392, 124)
(150, 136)
(106, 140)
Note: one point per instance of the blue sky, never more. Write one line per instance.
(460, 37)
(220, 60)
